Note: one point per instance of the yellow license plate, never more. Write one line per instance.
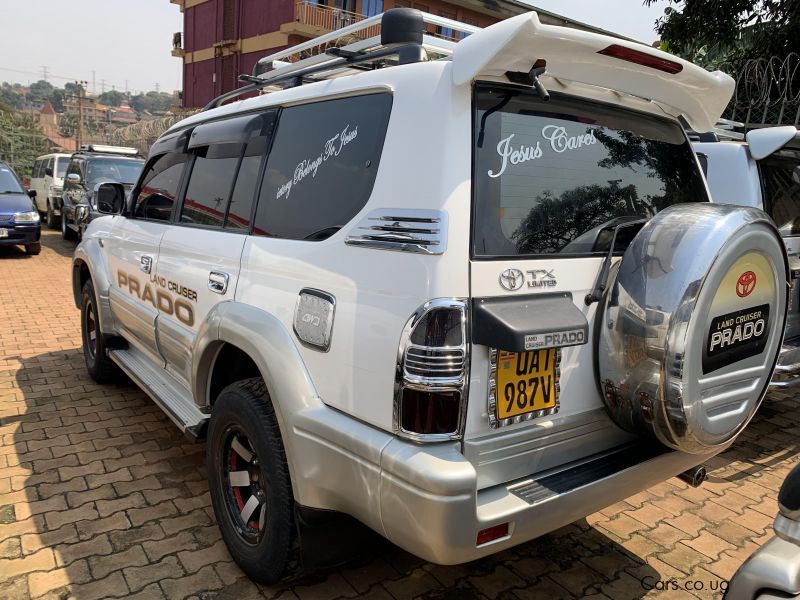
(526, 382)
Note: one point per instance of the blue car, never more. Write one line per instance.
(19, 219)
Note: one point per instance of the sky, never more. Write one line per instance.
(119, 43)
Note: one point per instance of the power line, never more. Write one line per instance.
(65, 78)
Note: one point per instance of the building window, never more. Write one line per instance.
(447, 33)
(372, 7)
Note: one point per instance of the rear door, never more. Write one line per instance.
(553, 182)
(133, 248)
(199, 257)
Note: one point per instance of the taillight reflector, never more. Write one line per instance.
(642, 58)
(491, 533)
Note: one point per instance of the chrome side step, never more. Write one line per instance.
(164, 389)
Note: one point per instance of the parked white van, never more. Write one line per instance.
(47, 180)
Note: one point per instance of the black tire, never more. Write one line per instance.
(33, 249)
(100, 367)
(66, 232)
(260, 545)
(52, 220)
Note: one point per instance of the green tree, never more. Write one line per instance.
(10, 96)
(21, 141)
(112, 98)
(40, 92)
(729, 31)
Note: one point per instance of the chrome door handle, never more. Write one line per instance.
(146, 263)
(218, 282)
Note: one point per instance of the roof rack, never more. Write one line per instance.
(724, 129)
(398, 36)
(105, 149)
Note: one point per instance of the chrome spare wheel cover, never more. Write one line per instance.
(692, 325)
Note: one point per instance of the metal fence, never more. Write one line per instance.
(767, 91)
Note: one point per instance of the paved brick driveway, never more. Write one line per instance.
(100, 496)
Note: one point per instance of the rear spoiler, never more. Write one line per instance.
(514, 45)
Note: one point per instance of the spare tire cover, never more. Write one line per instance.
(692, 325)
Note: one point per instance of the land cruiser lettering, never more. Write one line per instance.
(426, 404)
(161, 300)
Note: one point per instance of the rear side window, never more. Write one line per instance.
(49, 165)
(37, 167)
(210, 185)
(780, 174)
(557, 177)
(160, 187)
(322, 166)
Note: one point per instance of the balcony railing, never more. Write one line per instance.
(330, 18)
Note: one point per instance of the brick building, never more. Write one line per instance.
(223, 38)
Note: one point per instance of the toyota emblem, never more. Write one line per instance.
(512, 279)
(745, 284)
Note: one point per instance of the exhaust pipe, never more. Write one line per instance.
(694, 476)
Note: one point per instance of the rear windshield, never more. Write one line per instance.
(557, 177)
(780, 174)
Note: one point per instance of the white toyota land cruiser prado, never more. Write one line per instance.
(466, 293)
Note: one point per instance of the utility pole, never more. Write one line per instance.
(44, 72)
(94, 85)
(81, 95)
(103, 86)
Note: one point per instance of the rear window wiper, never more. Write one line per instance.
(602, 277)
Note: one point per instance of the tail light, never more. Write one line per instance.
(432, 372)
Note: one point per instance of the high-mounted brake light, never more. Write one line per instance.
(642, 58)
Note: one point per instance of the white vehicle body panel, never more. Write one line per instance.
(187, 257)
(732, 173)
(572, 55)
(336, 407)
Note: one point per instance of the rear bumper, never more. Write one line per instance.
(21, 235)
(430, 515)
(425, 498)
(787, 370)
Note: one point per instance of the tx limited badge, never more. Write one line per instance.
(515, 279)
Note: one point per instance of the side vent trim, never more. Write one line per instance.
(403, 230)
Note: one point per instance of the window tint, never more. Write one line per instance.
(780, 173)
(9, 184)
(321, 169)
(74, 167)
(159, 187)
(36, 169)
(61, 167)
(49, 165)
(119, 170)
(244, 191)
(558, 176)
(210, 184)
